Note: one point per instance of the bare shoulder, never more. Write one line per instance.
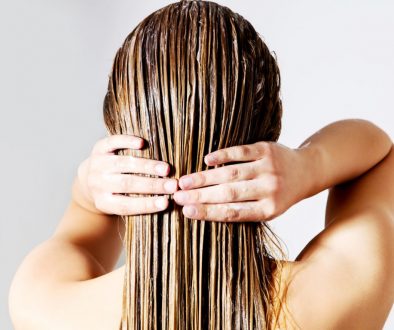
(344, 277)
(76, 305)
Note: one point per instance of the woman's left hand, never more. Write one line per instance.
(270, 179)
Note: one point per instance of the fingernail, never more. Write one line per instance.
(170, 186)
(161, 169)
(181, 196)
(189, 210)
(161, 203)
(186, 182)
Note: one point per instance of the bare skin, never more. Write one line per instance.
(343, 278)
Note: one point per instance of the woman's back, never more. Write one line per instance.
(341, 280)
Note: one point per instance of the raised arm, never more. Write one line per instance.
(349, 266)
(342, 151)
(88, 239)
(269, 177)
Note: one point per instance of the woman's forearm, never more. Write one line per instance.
(100, 234)
(341, 151)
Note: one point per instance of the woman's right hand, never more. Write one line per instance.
(101, 176)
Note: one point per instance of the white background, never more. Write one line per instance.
(336, 60)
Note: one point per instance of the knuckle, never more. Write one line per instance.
(200, 179)
(203, 212)
(268, 146)
(252, 170)
(247, 150)
(195, 195)
(243, 150)
(269, 164)
(223, 155)
(269, 151)
(231, 194)
(124, 183)
(233, 173)
(261, 147)
(156, 185)
(231, 214)
(262, 144)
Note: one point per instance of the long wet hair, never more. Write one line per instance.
(191, 78)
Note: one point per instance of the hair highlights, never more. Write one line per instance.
(191, 78)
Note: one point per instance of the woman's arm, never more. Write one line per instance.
(84, 226)
(349, 266)
(88, 239)
(270, 177)
(342, 151)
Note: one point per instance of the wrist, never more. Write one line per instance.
(311, 160)
(81, 197)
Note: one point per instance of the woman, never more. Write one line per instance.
(194, 87)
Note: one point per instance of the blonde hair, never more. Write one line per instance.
(191, 78)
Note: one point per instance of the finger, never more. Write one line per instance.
(240, 153)
(229, 212)
(125, 205)
(111, 143)
(223, 193)
(128, 183)
(230, 173)
(130, 164)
